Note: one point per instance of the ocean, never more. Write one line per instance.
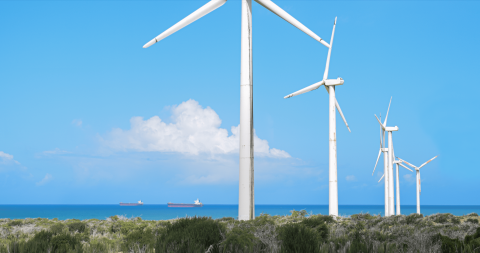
(162, 212)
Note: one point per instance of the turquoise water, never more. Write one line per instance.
(162, 212)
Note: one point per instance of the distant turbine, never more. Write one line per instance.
(332, 168)
(387, 163)
(397, 162)
(419, 190)
(246, 206)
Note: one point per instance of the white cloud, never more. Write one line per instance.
(7, 158)
(45, 180)
(194, 130)
(56, 151)
(77, 122)
(351, 178)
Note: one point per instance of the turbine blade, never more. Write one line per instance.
(406, 162)
(381, 125)
(325, 74)
(306, 89)
(202, 11)
(287, 17)
(341, 114)
(427, 162)
(386, 117)
(381, 178)
(381, 142)
(405, 167)
(378, 157)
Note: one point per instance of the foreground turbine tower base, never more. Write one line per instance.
(246, 203)
(332, 161)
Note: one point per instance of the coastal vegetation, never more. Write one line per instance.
(298, 232)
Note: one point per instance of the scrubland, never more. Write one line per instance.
(298, 232)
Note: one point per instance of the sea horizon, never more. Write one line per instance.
(216, 211)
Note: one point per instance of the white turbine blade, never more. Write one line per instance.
(204, 10)
(406, 162)
(405, 167)
(325, 74)
(378, 157)
(386, 117)
(381, 142)
(427, 162)
(287, 17)
(306, 89)
(380, 125)
(381, 178)
(341, 114)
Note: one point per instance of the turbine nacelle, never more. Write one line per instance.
(391, 129)
(334, 82)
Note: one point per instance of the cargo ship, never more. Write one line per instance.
(196, 204)
(139, 203)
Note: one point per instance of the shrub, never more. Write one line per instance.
(298, 238)
(57, 228)
(474, 221)
(195, 234)
(455, 220)
(241, 239)
(226, 219)
(76, 226)
(139, 240)
(64, 243)
(15, 223)
(413, 218)
(472, 214)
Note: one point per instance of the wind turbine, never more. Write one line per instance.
(397, 162)
(419, 190)
(246, 207)
(332, 165)
(387, 166)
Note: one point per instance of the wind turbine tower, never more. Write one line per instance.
(332, 157)
(246, 206)
(419, 189)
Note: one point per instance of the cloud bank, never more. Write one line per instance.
(194, 130)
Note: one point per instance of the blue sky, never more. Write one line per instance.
(90, 117)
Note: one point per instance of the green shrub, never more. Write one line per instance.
(474, 221)
(226, 219)
(139, 240)
(14, 223)
(76, 227)
(298, 238)
(57, 228)
(455, 220)
(64, 243)
(195, 234)
(241, 239)
(472, 214)
(413, 218)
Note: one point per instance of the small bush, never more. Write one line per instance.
(226, 219)
(474, 221)
(64, 243)
(139, 240)
(15, 223)
(455, 220)
(195, 234)
(472, 214)
(76, 227)
(57, 228)
(241, 239)
(298, 238)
